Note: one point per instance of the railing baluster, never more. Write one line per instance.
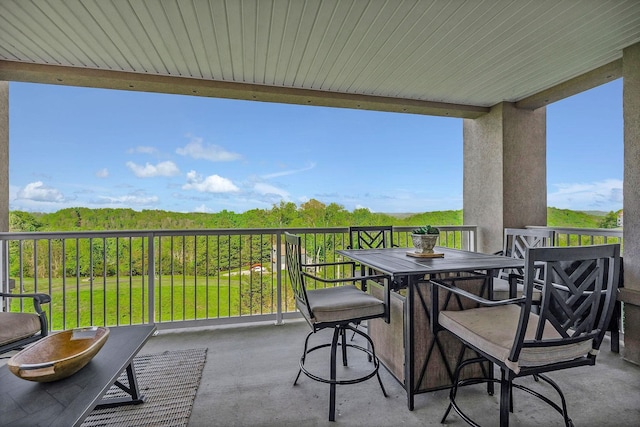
(151, 272)
(158, 265)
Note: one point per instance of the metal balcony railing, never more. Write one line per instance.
(173, 278)
(181, 278)
(568, 236)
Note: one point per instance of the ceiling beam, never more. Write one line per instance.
(594, 78)
(107, 79)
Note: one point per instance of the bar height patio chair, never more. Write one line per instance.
(578, 290)
(369, 237)
(508, 283)
(337, 307)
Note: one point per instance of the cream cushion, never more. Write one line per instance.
(492, 330)
(16, 326)
(342, 303)
(501, 290)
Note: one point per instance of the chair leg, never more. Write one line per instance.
(505, 399)
(454, 390)
(371, 359)
(303, 357)
(614, 327)
(356, 325)
(567, 421)
(339, 339)
(343, 334)
(332, 384)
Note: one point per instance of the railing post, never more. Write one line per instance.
(278, 264)
(4, 269)
(151, 272)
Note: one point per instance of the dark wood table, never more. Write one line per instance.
(420, 361)
(69, 401)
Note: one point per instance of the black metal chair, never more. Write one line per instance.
(576, 307)
(369, 237)
(335, 307)
(19, 329)
(508, 283)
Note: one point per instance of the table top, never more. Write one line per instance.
(69, 401)
(395, 261)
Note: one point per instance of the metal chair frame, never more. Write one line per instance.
(516, 242)
(298, 276)
(369, 237)
(577, 284)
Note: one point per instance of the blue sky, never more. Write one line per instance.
(99, 148)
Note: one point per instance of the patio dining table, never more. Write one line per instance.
(420, 361)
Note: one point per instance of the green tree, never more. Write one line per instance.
(610, 220)
(256, 293)
(283, 215)
(23, 221)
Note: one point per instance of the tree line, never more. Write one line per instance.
(188, 254)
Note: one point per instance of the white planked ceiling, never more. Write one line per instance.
(467, 52)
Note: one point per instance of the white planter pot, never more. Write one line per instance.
(424, 243)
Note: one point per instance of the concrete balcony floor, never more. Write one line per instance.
(247, 381)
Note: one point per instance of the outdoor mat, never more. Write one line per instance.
(169, 381)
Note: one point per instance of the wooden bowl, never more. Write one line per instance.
(59, 355)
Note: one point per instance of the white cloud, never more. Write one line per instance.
(210, 184)
(214, 153)
(289, 172)
(39, 192)
(130, 200)
(266, 189)
(202, 209)
(143, 149)
(147, 171)
(102, 173)
(602, 195)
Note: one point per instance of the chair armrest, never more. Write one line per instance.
(346, 279)
(329, 264)
(449, 287)
(476, 298)
(351, 264)
(38, 299)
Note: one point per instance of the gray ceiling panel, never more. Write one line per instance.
(466, 52)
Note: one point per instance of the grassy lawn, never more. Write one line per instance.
(112, 302)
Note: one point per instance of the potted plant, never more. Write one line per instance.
(425, 238)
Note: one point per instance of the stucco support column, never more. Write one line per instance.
(505, 172)
(4, 156)
(631, 191)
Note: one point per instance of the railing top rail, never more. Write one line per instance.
(407, 228)
(612, 232)
(45, 235)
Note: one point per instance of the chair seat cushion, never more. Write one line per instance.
(492, 330)
(501, 290)
(16, 326)
(343, 303)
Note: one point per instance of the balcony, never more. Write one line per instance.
(244, 317)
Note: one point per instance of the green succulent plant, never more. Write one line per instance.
(427, 229)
